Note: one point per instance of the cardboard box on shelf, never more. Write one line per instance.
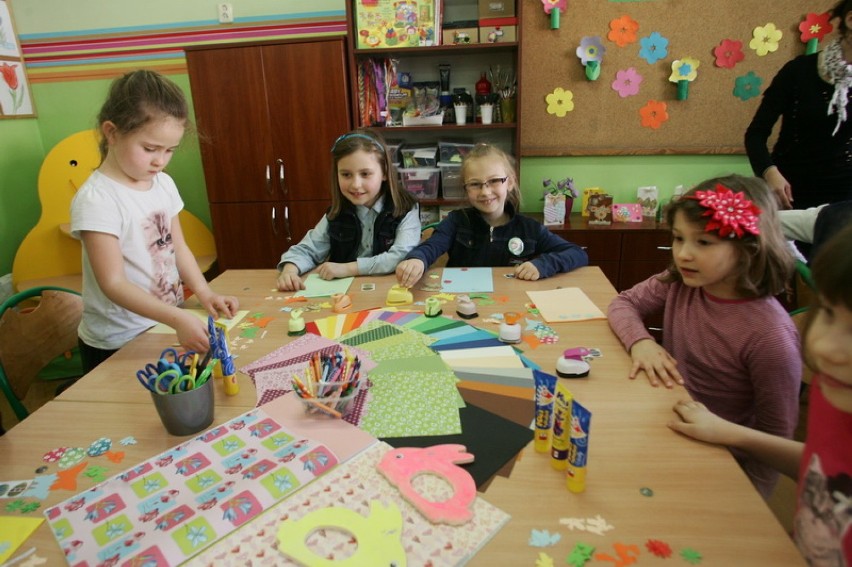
(498, 34)
(460, 36)
(496, 8)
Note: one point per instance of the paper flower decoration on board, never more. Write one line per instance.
(622, 31)
(653, 114)
(765, 39)
(728, 53)
(747, 86)
(654, 47)
(627, 82)
(684, 71)
(591, 52)
(814, 27)
(553, 8)
(560, 102)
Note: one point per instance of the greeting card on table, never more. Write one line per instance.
(315, 286)
(172, 506)
(587, 194)
(565, 304)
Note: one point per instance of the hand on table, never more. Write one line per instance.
(192, 332)
(696, 421)
(527, 271)
(409, 272)
(656, 362)
(289, 280)
(333, 270)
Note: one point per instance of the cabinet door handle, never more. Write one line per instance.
(274, 222)
(584, 247)
(281, 184)
(287, 223)
(268, 180)
(665, 248)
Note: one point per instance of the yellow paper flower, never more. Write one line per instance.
(560, 102)
(685, 69)
(765, 39)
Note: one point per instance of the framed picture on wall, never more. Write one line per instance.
(15, 96)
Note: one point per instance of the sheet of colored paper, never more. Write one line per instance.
(315, 286)
(565, 304)
(177, 503)
(467, 280)
(14, 531)
(163, 329)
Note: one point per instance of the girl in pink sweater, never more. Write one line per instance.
(725, 336)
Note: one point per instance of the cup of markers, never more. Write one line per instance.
(329, 384)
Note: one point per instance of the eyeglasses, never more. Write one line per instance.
(492, 183)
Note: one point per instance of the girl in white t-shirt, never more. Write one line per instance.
(135, 258)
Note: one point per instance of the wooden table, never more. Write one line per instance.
(701, 499)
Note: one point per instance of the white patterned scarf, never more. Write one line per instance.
(833, 66)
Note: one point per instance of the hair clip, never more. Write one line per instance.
(348, 135)
(732, 214)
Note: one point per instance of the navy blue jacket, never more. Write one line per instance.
(472, 242)
(344, 233)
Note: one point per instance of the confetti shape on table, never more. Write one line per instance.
(653, 48)
(560, 102)
(814, 27)
(627, 82)
(591, 52)
(580, 554)
(22, 506)
(401, 466)
(622, 31)
(54, 455)
(32, 561)
(378, 536)
(15, 531)
(764, 39)
(543, 560)
(659, 548)
(653, 114)
(626, 554)
(565, 304)
(543, 538)
(99, 447)
(67, 479)
(728, 53)
(129, 440)
(684, 71)
(40, 487)
(71, 457)
(691, 556)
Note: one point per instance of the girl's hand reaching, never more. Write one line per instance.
(220, 305)
(527, 271)
(333, 270)
(192, 332)
(656, 362)
(289, 280)
(409, 272)
(698, 422)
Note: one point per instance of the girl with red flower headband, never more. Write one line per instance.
(726, 338)
(822, 526)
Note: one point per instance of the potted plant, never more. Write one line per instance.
(558, 199)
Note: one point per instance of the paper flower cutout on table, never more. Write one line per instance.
(591, 52)
(765, 39)
(543, 538)
(728, 53)
(814, 27)
(691, 556)
(627, 82)
(580, 555)
(553, 8)
(543, 560)
(654, 47)
(622, 31)
(560, 102)
(659, 548)
(747, 86)
(653, 114)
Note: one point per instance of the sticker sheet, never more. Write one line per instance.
(354, 486)
(169, 508)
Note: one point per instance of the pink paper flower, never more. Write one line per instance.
(549, 5)
(728, 53)
(627, 82)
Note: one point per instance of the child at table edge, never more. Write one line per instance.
(726, 338)
(823, 463)
(492, 232)
(372, 222)
(135, 258)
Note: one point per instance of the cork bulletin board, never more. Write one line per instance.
(711, 120)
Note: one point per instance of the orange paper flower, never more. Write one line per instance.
(623, 31)
(653, 114)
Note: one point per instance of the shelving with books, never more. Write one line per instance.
(375, 71)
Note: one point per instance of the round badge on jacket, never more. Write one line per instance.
(516, 246)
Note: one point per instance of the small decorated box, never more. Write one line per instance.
(600, 209)
(587, 193)
(626, 212)
(648, 197)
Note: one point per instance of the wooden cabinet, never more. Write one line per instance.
(467, 64)
(267, 116)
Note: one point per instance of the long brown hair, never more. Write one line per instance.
(373, 143)
(765, 262)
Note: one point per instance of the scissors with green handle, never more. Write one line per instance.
(171, 381)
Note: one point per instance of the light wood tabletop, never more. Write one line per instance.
(644, 480)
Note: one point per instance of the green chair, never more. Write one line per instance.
(803, 272)
(38, 341)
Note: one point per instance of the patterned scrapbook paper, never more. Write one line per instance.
(354, 485)
(174, 505)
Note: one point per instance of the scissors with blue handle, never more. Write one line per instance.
(170, 358)
(172, 381)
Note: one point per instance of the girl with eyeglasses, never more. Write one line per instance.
(492, 232)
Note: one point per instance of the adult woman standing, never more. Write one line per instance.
(811, 162)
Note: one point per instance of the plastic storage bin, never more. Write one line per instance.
(422, 182)
(452, 186)
(453, 151)
(419, 156)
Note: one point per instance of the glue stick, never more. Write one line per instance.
(559, 443)
(545, 384)
(581, 419)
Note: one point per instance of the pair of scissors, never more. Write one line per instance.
(173, 382)
(170, 358)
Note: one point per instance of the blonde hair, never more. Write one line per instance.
(373, 143)
(765, 262)
(489, 151)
